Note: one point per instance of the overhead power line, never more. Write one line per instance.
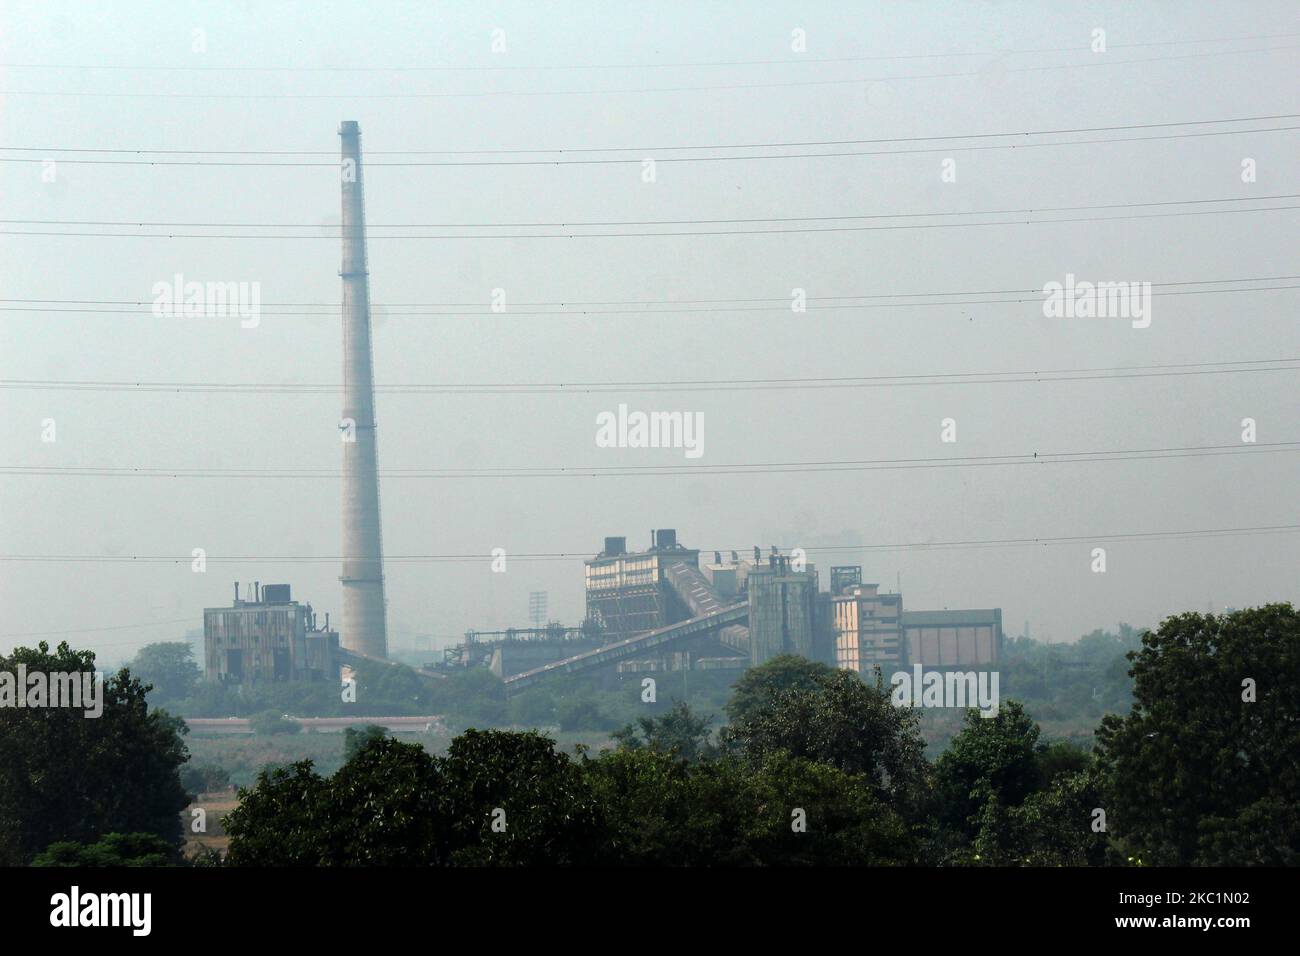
(782, 230)
(661, 149)
(112, 627)
(1033, 296)
(652, 222)
(577, 555)
(1112, 373)
(675, 470)
(333, 307)
(632, 160)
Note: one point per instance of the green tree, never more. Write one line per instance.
(281, 820)
(65, 776)
(115, 849)
(170, 668)
(205, 778)
(533, 708)
(1051, 827)
(475, 694)
(679, 732)
(496, 799)
(271, 722)
(992, 758)
(387, 806)
(1060, 757)
(514, 800)
(754, 691)
(785, 811)
(661, 811)
(1203, 768)
(354, 738)
(581, 712)
(844, 822)
(394, 687)
(840, 721)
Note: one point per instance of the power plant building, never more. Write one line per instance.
(783, 616)
(868, 629)
(966, 638)
(268, 638)
(661, 610)
(629, 593)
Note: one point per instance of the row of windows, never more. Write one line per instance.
(623, 573)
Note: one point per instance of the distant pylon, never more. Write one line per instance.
(365, 626)
(537, 608)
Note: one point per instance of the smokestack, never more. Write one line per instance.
(365, 628)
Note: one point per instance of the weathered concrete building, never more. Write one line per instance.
(868, 629)
(626, 591)
(268, 637)
(965, 638)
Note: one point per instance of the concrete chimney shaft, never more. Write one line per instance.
(365, 627)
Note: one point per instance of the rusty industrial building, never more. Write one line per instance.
(266, 637)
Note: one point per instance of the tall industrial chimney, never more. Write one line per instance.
(365, 628)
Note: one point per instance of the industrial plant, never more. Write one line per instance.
(662, 609)
(265, 636)
(659, 609)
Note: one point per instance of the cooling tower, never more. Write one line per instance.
(365, 628)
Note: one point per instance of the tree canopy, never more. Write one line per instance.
(1205, 768)
(169, 668)
(66, 776)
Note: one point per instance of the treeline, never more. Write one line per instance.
(177, 685)
(1067, 684)
(813, 766)
(817, 767)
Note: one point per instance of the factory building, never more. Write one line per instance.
(662, 610)
(630, 593)
(517, 649)
(967, 638)
(267, 637)
(634, 593)
(867, 625)
(783, 607)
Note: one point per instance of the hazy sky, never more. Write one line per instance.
(645, 77)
